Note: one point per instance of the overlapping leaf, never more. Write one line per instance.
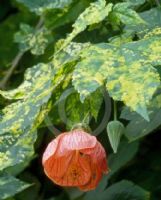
(127, 69)
(34, 40)
(40, 6)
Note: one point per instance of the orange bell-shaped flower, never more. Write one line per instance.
(75, 158)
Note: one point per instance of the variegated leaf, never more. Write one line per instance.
(33, 77)
(128, 71)
(29, 39)
(69, 54)
(25, 111)
(19, 120)
(15, 149)
(95, 13)
(91, 72)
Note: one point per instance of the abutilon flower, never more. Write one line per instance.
(76, 159)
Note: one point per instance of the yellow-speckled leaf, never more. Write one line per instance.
(15, 149)
(69, 54)
(134, 85)
(33, 77)
(29, 39)
(91, 72)
(95, 13)
(128, 70)
(25, 111)
(20, 119)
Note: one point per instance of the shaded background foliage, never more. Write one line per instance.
(48, 47)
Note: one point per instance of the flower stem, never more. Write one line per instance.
(115, 110)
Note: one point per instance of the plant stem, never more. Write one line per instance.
(17, 59)
(115, 110)
(11, 70)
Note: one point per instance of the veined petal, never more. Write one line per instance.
(98, 156)
(50, 150)
(96, 176)
(77, 173)
(55, 167)
(75, 140)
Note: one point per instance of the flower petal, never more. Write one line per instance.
(75, 140)
(94, 180)
(50, 150)
(56, 167)
(77, 173)
(98, 156)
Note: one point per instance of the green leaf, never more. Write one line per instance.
(30, 39)
(115, 130)
(138, 127)
(136, 2)
(124, 68)
(72, 111)
(152, 18)
(40, 6)
(125, 153)
(95, 13)
(9, 186)
(123, 13)
(125, 190)
(33, 192)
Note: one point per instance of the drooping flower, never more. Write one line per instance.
(75, 159)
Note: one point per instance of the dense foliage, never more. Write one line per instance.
(94, 63)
